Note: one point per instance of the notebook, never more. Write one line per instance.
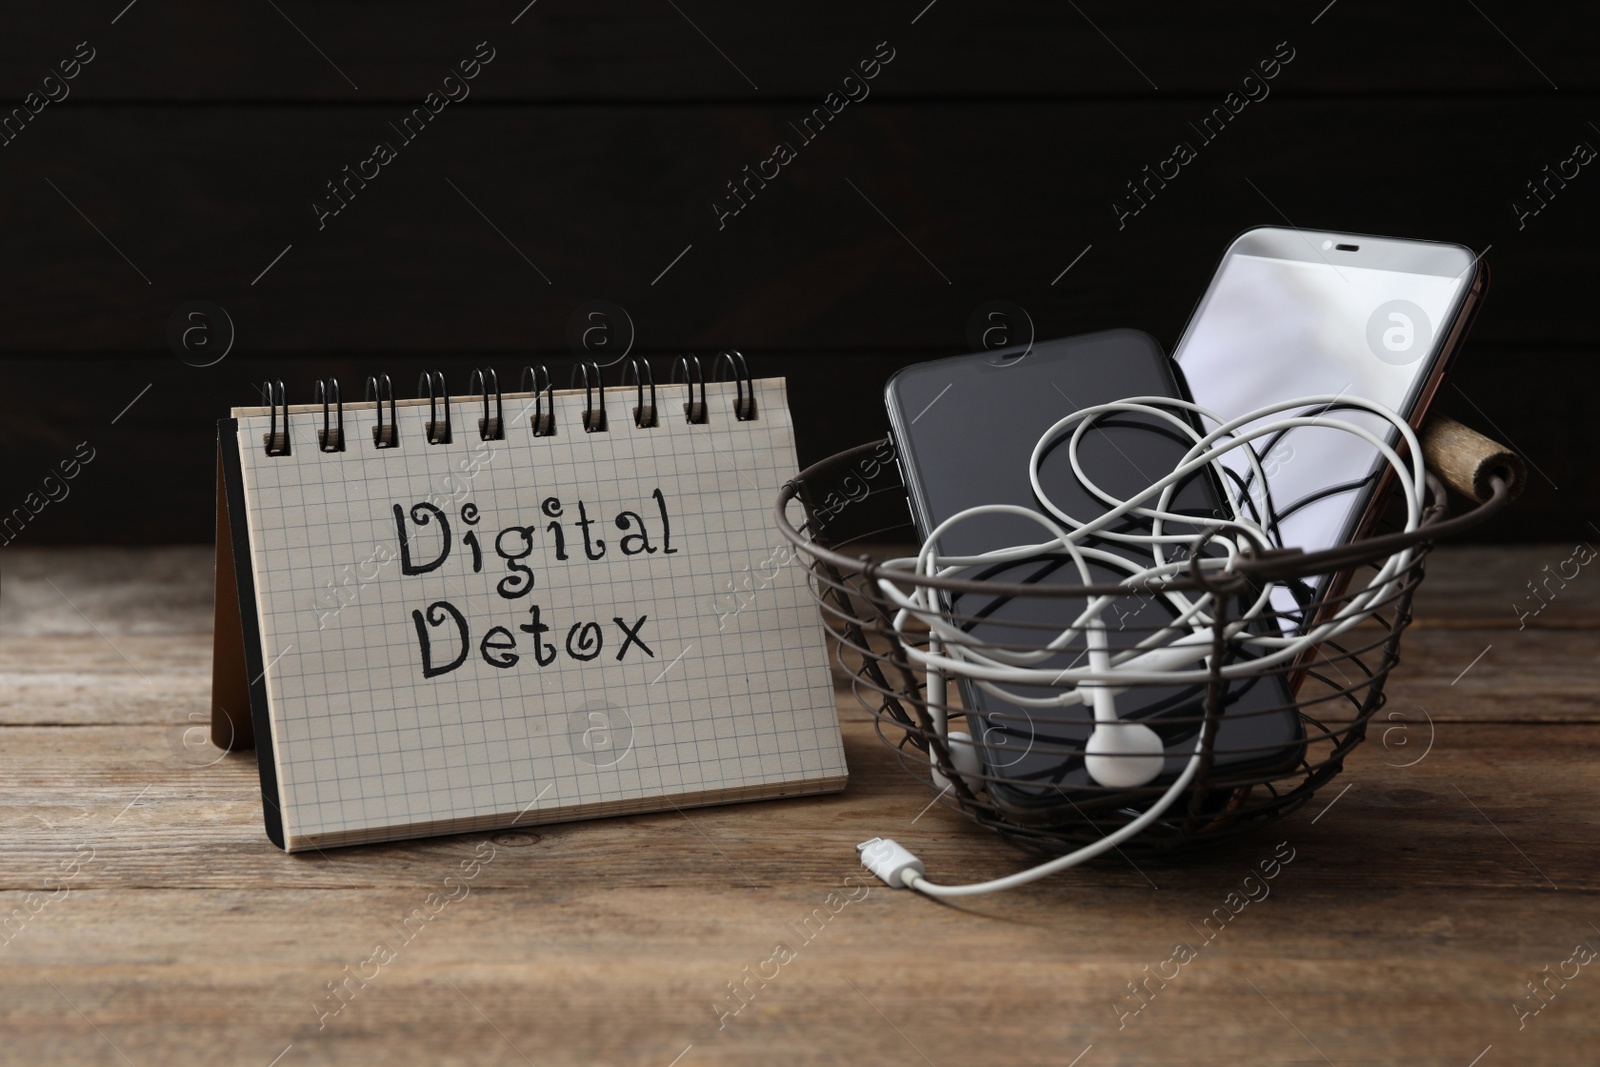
(463, 613)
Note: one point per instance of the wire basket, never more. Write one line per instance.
(1267, 737)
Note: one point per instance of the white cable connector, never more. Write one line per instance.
(889, 860)
(899, 868)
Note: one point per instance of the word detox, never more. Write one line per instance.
(444, 636)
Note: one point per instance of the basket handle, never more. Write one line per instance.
(1467, 461)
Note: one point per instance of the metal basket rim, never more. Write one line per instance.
(1276, 564)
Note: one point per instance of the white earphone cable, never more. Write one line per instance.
(1176, 653)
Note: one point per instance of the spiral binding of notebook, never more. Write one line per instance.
(537, 387)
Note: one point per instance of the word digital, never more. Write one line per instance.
(430, 628)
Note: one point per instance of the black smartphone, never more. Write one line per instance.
(1294, 313)
(965, 429)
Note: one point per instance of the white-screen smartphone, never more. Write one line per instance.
(1294, 313)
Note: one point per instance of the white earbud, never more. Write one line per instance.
(1124, 754)
(1119, 754)
(965, 758)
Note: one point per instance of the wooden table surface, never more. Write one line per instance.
(148, 921)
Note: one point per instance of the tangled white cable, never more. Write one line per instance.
(1118, 753)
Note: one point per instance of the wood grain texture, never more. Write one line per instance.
(150, 918)
(1482, 587)
(636, 976)
(163, 808)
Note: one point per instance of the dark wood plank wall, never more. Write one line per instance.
(189, 152)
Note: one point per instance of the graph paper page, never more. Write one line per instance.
(482, 634)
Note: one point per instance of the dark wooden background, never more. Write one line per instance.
(596, 141)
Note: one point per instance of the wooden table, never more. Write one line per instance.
(147, 920)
